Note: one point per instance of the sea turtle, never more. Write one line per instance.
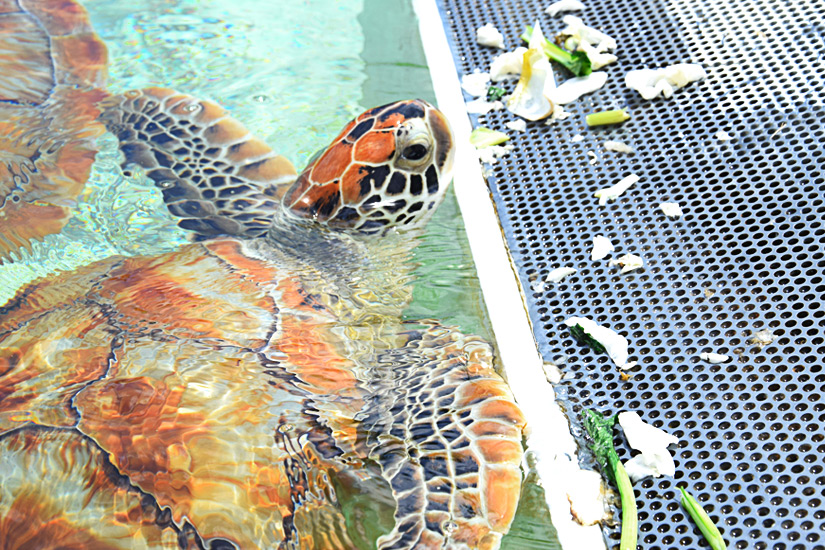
(242, 389)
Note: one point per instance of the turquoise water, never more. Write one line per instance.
(294, 73)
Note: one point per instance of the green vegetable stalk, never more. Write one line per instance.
(607, 117)
(703, 521)
(601, 430)
(483, 137)
(577, 62)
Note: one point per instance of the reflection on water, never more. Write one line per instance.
(197, 374)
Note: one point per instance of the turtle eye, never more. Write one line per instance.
(416, 151)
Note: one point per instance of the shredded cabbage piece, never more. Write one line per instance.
(652, 82)
(563, 5)
(613, 192)
(488, 35)
(655, 460)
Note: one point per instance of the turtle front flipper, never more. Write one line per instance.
(448, 436)
(213, 173)
(51, 66)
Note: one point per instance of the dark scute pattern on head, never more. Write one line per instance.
(407, 110)
(361, 129)
(432, 180)
(370, 204)
(398, 183)
(213, 173)
(327, 206)
(376, 175)
(347, 214)
(416, 184)
(373, 224)
(395, 206)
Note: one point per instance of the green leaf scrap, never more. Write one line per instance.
(580, 335)
(483, 137)
(494, 93)
(577, 62)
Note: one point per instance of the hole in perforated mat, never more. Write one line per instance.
(747, 254)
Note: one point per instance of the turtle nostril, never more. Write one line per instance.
(416, 151)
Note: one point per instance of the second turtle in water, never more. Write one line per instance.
(227, 393)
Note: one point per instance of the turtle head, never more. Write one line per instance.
(388, 167)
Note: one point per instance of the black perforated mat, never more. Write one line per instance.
(747, 254)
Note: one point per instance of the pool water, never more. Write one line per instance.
(294, 72)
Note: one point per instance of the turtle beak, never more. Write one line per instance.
(444, 145)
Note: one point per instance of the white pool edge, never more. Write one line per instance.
(549, 435)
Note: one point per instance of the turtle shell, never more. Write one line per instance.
(220, 391)
(52, 66)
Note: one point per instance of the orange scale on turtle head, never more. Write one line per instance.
(390, 122)
(332, 163)
(375, 147)
(351, 190)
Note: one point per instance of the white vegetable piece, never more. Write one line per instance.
(722, 135)
(578, 33)
(671, 209)
(618, 147)
(558, 114)
(629, 262)
(559, 273)
(490, 155)
(475, 84)
(572, 89)
(530, 98)
(597, 59)
(586, 495)
(614, 343)
(488, 35)
(652, 82)
(612, 193)
(481, 106)
(507, 65)
(563, 5)
(655, 460)
(714, 358)
(518, 125)
(762, 338)
(577, 138)
(601, 247)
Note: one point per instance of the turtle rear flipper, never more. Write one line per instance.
(213, 173)
(51, 64)
(448, 437)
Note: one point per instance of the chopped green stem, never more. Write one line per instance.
(601, 430)
(577, 62)
(607, 117)
(483, 137)
(630, 517)
(703, 521)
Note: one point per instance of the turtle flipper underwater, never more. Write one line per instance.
(236, 385)
(52, 68)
